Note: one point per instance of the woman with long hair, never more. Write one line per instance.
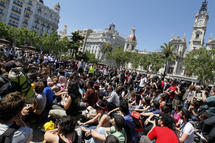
(65, 132)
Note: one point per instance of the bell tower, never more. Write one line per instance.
(200, 27)
(131, 42)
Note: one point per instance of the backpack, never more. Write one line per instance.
(6, 137)
(138, 120)
(6, 86)
(16, 76)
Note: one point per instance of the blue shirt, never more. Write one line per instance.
(157, 111)
(130, 126)
(49, 95)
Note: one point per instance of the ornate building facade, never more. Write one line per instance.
(197, 41)
(32, 14)
(211, 43)
(180, 45)
(94, 40)
(199, 28)
(131, 42)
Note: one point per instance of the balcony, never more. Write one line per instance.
(12, 24)
(46, 20)
(18, 3)
(13, 17)
(28, 9)
(1, 12)
(2, 4)
(25, 22)
(16, 10)
(30, 3)
(27, 15)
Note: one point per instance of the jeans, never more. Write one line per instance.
(101, 131)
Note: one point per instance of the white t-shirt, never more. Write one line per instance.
(142, 81)
(22, 135)
(189, 130)
(114, 98)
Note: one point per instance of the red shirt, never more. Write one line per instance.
(172, 90)
(163, 135)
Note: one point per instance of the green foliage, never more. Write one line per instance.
(75, 42)
(51, 43)
(168, 55)
(201, 63)
(145, 62)
(134, 58)
(168, 52)
(91, 58)
(157, 62)
(118, 55)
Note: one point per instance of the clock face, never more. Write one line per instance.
(200, 22)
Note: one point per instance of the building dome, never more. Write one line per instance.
(112, 25)
(132, 36)
(210, 41)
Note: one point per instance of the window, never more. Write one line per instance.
(198, 33)
(2, 3)
(1, 11)
(13, 23)
(30, 2)
(17, 10)
(18, 3)
(14, 16)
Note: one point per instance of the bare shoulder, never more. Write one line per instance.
(51, 137)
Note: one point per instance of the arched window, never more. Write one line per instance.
(198, 33)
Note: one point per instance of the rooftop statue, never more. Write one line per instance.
(204, 6)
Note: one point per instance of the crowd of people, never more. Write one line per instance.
(98, 104)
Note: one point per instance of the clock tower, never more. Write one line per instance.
(200, 26)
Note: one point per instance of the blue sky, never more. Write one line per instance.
(155, 20)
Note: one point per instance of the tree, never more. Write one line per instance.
(4, 30)
(91, 58)
(169, 55)
(135, 59)
(76, 42)
(201, 63)
(118, 55)
(156, 62)
(49, 43)
(106, 48)
(145, 62)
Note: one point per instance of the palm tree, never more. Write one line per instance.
(169, 55)
(106, 48)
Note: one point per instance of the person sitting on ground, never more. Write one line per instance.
(90, 98)
(130, 126)
(163, 133)
(65, 132)
(113, 99)
(11, 106)
(100, 135)
(186, 128)
(101, 118)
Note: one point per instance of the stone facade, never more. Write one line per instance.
(131, 42)
(180, 47)
(94, 40)
(211, 43)
(199, 29)
(32, 14)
